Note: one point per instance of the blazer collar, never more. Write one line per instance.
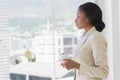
(90, 31)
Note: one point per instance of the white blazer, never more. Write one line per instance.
(91, 53)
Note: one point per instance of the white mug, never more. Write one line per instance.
(63, 56)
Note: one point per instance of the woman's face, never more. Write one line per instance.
(81, 20)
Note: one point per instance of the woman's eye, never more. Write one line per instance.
(78, 16)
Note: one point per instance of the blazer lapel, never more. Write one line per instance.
(81, 43)
(83, 39)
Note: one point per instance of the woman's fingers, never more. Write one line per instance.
(69, 64)
(65, 65)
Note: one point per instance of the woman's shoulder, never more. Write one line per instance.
(96, 35)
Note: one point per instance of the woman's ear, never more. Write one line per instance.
(87, 21)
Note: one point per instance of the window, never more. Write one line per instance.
(67, 41)
(41, 30)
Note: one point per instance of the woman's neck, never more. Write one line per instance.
(87, 28)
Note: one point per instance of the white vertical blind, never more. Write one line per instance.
(4, 40)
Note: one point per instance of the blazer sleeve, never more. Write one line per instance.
(99, 50)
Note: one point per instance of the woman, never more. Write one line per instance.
(90, 61)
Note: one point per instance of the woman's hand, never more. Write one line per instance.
(70, 64)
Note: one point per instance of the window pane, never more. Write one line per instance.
(68, 50)
(67, 41)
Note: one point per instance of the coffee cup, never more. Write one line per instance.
(63, 56)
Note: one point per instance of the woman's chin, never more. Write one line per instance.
(79, 27)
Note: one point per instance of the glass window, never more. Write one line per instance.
(68, 50)
(67, 41)
(41, 30)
